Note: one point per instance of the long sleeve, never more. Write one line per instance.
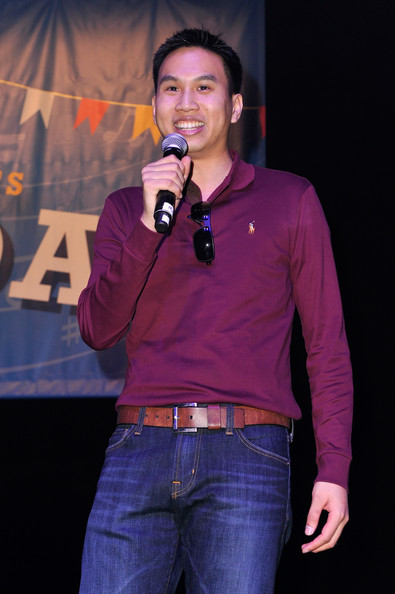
(317, 298)
(124, 253)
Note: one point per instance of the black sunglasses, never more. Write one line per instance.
(203, 240)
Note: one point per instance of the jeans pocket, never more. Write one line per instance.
(267, 440)
(120, 436)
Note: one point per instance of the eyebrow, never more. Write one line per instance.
(202, 77)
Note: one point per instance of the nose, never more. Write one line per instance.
(187, 101)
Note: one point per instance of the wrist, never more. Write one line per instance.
(148, 221)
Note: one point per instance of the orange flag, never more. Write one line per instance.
(143, 121)
(92, 110)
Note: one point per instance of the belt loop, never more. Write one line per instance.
(140, 421)
(292, 431)
(230, 415)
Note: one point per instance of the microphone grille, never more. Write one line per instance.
(175, 141)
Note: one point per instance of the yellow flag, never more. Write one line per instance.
(143, 120)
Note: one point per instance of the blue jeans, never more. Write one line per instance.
(214, 505)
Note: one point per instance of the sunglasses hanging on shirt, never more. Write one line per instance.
(203, 240)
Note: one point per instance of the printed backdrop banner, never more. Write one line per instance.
(76, 124)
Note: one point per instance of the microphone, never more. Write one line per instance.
(173, 144)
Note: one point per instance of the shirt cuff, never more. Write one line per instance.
(334, 468)
(142, 242)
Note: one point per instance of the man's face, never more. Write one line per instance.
(193, 99)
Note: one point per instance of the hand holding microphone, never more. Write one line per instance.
(173, 144)
(163, 183)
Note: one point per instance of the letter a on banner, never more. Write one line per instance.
(61, 225)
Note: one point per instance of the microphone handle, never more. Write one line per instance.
(164, 210)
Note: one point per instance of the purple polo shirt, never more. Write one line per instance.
(221, 332)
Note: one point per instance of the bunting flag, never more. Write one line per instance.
(92, 110)
(63, 150)
(37, 101)
(143, 120)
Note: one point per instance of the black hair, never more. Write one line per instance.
(208, 41)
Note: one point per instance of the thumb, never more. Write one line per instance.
(187, 162)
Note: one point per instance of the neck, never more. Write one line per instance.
(208, 174)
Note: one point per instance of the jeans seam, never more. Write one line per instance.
(125, 436)
(172, 565)
(261, 451)
(182, 491)
(288, 514)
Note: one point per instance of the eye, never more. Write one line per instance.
(168, 88)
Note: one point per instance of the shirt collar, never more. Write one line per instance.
(241, 174)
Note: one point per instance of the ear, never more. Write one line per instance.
(154, 109)
(237, 107)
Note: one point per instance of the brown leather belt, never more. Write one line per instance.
(190, 416)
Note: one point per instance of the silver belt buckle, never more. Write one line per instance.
(175, 418)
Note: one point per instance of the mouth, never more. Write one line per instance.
(188, 126)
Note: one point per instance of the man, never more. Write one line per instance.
(196, 475)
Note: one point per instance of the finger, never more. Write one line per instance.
(173, 164)
(152, 184)
(329, 536)
(166, 171)
(321, 543)
(164, 176)
(313, 518)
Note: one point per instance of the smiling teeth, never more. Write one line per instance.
(188, 125)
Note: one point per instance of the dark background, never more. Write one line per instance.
(330, 89)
